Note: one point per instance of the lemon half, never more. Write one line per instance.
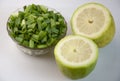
(94, 21)
(76, 56)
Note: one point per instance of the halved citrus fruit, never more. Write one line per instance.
(94, 21)
(76, 56)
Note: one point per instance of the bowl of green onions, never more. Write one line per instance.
(36, 28)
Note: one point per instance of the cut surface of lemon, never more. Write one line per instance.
(76, 56)
(93, 20)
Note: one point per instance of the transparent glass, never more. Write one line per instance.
(34, 51)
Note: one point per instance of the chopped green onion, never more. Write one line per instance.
(36, 26)
(31, 44)
(19, 39)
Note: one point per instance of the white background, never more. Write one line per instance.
(17, 66)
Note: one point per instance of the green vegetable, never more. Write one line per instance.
(31, 44)
(36, 26)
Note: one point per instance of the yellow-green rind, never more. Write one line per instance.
(107, 35)
(75, 72)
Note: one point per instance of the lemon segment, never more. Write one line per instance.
(92, 20)
(76, 56)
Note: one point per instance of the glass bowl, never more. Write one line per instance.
(35, 51)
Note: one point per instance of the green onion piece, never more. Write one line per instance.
(44, 40)
(41, 46)
(44, 25)
(55, 31)
(17, 21)
(19, 39)
(43, 8)
(31, 44)
(51, 41)
(32, 26)
(35, 37)
(25, 43)
(53, 24)
(42, 34)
